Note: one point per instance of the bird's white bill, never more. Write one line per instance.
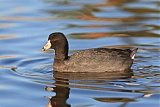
(47, 46)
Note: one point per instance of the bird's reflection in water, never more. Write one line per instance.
(62, 93)
(62, 87)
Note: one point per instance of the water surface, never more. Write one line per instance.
(26, 75)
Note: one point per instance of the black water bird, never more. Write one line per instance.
(90, 60)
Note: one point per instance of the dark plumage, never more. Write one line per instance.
(90, 60)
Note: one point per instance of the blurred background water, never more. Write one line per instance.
(26, 75)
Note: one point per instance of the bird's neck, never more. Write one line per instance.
(61, 53)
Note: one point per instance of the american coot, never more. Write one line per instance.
(90, 60)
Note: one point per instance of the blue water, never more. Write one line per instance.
(27, 78)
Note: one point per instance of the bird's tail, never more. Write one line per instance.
(133, 53)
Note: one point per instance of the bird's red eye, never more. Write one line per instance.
(54, 39)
